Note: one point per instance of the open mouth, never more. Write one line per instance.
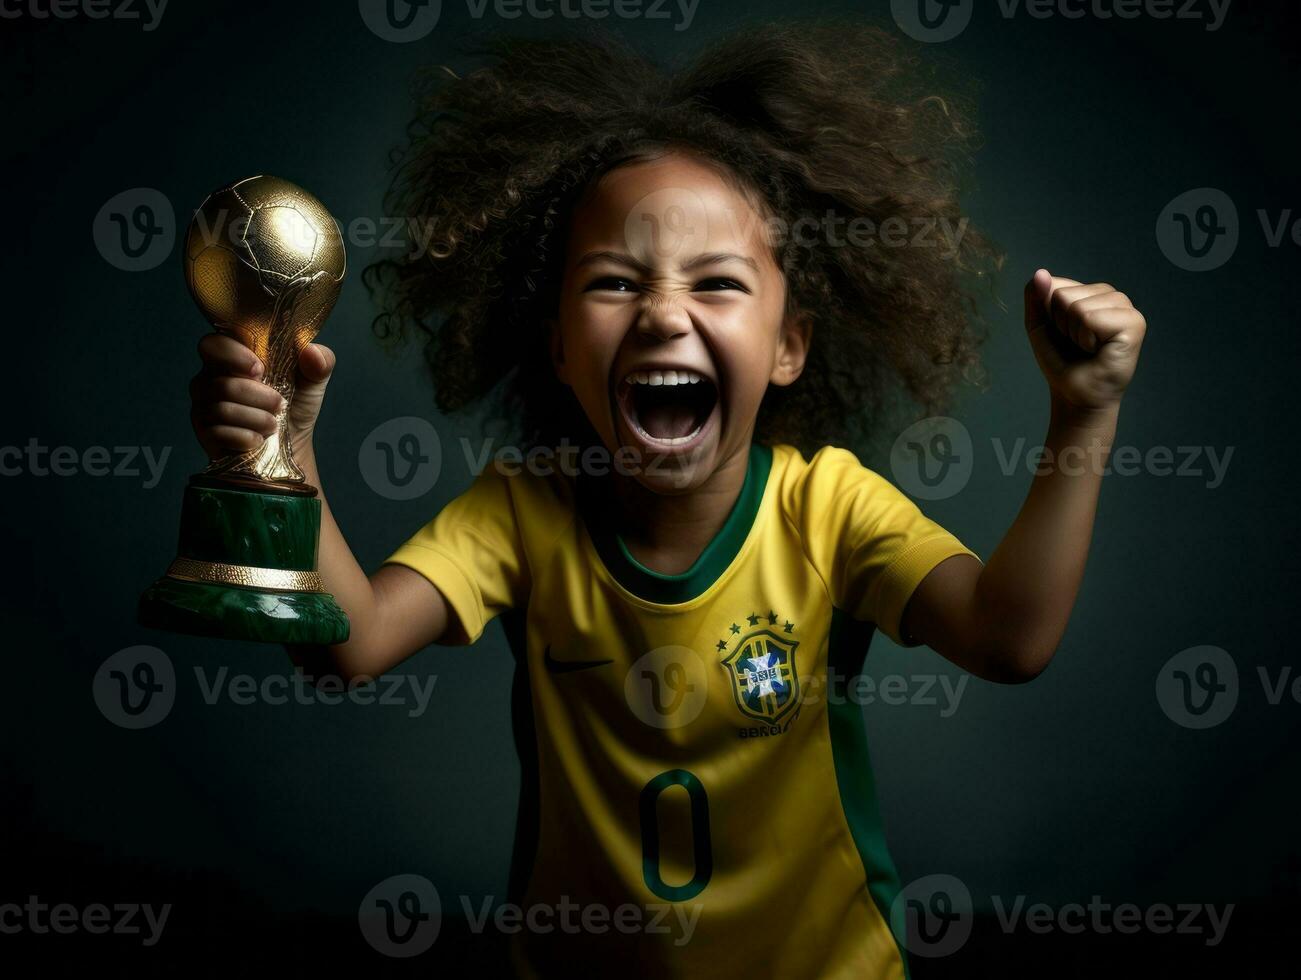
(667, 408)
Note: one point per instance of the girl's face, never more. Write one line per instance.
(672, 319)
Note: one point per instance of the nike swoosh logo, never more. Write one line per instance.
(565, 666)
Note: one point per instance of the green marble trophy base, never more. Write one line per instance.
(254, 537)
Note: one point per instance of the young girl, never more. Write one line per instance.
(703, 281)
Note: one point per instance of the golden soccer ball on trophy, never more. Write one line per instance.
(264, 260)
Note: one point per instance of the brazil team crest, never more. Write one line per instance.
(761, 668)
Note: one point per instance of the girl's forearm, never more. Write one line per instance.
(1025, 593)
(345, 579)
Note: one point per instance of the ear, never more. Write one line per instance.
(792, 348)
(557, 349)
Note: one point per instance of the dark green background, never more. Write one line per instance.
(266, 825)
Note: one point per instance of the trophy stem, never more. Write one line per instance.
(273, 461)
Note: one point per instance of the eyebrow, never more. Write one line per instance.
(709, 258)
(714, 258)
(619, 257)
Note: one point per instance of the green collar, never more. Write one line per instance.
(713, 561)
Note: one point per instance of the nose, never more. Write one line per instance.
(661, 319)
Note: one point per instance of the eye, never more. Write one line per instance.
(715, 283)
(615, 284)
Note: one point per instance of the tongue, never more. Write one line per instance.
(666, 412)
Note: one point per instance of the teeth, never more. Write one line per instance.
(656, 378)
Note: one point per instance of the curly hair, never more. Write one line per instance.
(813, 120)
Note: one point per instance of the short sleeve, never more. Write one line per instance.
(473, 554)
(869, 542)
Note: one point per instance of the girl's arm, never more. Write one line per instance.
(391, 614)
(1003, 620)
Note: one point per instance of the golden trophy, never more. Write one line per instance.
(264, 261)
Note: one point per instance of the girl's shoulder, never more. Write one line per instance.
(828, 481)
(829, 465)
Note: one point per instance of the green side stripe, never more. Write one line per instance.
(713, 561)
(846, 653)
(524, 735)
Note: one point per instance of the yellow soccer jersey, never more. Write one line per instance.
(694, 803)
